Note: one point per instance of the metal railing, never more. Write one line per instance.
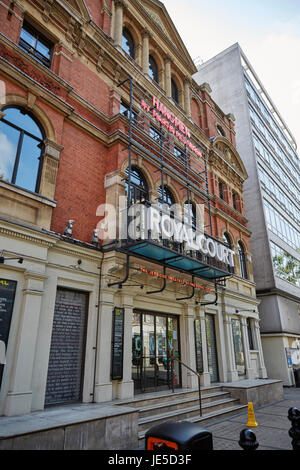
(172, 359)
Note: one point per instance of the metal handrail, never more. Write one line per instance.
(173, 358)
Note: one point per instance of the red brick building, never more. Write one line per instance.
(81, 81)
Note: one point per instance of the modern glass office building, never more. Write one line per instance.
(272, 199)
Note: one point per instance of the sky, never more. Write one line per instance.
(268, 32)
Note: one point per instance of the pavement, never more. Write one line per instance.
(271, 432)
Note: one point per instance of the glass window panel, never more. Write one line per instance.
(43, 49)
(9, 138)
(28, 37)
(24, 121)
(29, 164)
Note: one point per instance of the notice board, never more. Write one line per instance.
(7, 298)
(117, 344)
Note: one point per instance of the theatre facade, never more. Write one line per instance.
(124, 243)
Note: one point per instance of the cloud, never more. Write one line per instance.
(7, 155)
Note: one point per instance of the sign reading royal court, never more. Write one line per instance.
(158, 224)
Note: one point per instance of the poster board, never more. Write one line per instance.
(7, 298)
(117, 344)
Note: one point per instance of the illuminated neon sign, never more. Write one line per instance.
(170, 122)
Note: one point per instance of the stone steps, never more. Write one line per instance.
(182, 404)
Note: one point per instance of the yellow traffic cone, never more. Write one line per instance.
(251, 417)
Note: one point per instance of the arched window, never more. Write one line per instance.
(226, 240)
(138, 184)
(21, 147)
(153, 69)
(165, 197)
(220, 131)
(128, 43)
(174, 91)
(242, 259)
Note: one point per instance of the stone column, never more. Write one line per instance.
(145, 52)
(189, 353)
(168, 75)
(118, 22)
(232, 374)
(187, 96)
(19, 397)
(103, 384)
(205, 374)
(262, 368)
(50, 167)
(125, 387)
(249, 371)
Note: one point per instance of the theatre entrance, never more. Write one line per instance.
(154, 337)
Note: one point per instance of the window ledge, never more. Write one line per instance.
(29, 194)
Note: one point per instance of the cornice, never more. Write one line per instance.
(231, 220)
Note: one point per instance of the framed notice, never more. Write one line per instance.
(7, 298)
(117, 346)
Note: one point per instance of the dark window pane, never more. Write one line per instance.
(153, 69)
(174, 91)
(128, 43)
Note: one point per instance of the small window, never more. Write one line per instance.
(155, 134)
(128, 44)
(125, 110)
(179, 153)
(21, 147)
(174, 91)
(221, 190)
(234, 201)
(226, 240)
(165, 196)
(153, 69)
(242, 259)
(138, 185)
(220, 131)
(35, 44)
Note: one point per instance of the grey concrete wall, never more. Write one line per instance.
(115, 432)
(224, 73)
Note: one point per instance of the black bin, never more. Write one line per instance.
(297, 377)
(178, 435)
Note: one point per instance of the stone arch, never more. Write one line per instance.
(29, 104)
(179, 84)
(143, 168)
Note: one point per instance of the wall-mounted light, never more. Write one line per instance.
(3, 259)
(68, 231)
(95, 239)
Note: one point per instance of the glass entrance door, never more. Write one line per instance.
(154, 336)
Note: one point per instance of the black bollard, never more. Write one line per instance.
(248, 440)
(294, 432)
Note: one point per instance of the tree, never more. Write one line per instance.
(287, 267)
